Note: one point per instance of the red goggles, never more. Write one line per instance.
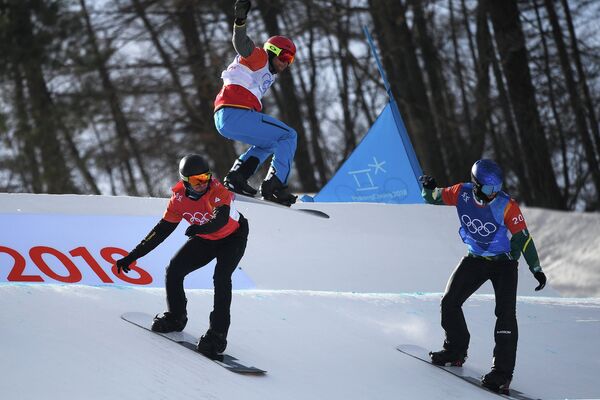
(281, 54)
(286, 56)
(196, 180)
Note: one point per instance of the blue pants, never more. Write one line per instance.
(266, 134)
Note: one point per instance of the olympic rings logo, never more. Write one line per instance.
(476, 226)
(197, 218)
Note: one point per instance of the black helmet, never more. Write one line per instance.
(190, 165)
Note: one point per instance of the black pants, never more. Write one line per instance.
(468, 276)
(198, 252)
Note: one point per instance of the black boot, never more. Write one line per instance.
(497, 381)
(448, 358)
(169, 322)
(237, 178)
(272, 189)
(212, 343)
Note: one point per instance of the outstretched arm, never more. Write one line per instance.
(156, 236)
(242, 44)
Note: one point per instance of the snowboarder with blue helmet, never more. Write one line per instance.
(486, 177)
(495, 232)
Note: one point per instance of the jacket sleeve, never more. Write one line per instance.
(242, 44)
(522, 242)
(155, 237)
(433, 196)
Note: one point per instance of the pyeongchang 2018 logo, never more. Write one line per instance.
(476, 226)
(267, 81)
(197, 217)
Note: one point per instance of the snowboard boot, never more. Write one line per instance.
(237, 178)
(272, 189)
(448, 358)
(169, 322)
(212, 343)
(497, 381)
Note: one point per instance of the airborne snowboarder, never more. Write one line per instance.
(238, 117)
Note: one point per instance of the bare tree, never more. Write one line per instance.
(510, 40)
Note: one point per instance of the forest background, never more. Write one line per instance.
(104, 97)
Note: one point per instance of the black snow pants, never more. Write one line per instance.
(196, 253)
(468, 276)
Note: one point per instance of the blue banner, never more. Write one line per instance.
(382, 169)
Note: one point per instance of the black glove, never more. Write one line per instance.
(428, 182)
(193, 230)
(541, 278)
(124, 263)
(241, 9)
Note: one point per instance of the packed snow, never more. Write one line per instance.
(330, 301)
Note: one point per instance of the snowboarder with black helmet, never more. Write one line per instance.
(238, 117)
(217, 230)
(495, 232)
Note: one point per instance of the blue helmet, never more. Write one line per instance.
(487, 177)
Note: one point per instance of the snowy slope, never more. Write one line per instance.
(335, 297)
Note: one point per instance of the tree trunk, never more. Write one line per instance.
(582, 78)
(309, 95)
(344, 92)
(55, 172)
(125, 139)
(522, 169)
(206, 83)
(443, 114)
(482, 87)
(513, 53)
(553, 106)
(24, 133)
(458, 70)
(403, 70)
(580, 121)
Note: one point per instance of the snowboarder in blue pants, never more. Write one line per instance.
(238, 117)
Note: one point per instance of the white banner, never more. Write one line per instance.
(79, 249)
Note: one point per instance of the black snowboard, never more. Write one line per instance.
(186, 340)
(465, 373)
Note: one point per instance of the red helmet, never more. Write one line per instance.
(282, 47)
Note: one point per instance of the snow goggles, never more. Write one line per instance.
(282, 54)
(488, 190)
(196, 180)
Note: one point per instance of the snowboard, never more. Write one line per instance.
(188, 341)
(249, 199)
(465, 373)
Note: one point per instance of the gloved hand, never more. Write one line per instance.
(193, 230)
(428, 182)
(124, 263)
(541, 278)
(241, 9)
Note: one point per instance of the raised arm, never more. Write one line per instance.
(242, 44)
